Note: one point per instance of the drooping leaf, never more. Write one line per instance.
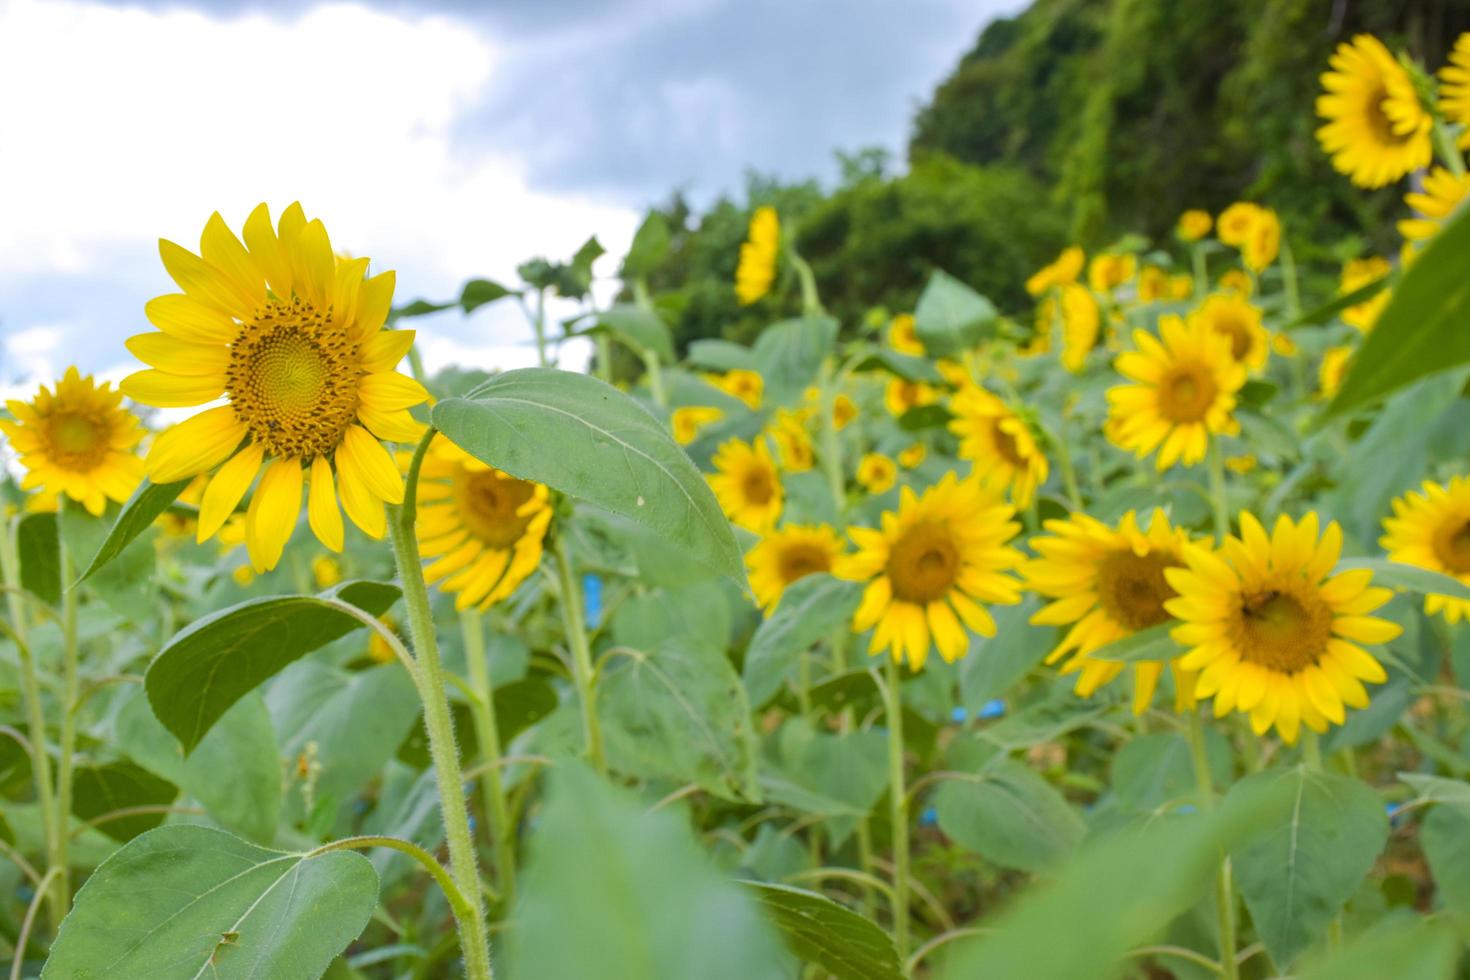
(38, 546)
(584, 438)
(951, 317)
(183, 902)
(1010, 816)
(216, 660)
(789, 354)
(1397, 575)
(810, 610)
(137, 515)
(650, 245)
(108, 788)
(832, 936)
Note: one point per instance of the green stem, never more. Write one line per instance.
(604, 357)
(1224, 893)
(1201, 275)
(439, 724)
(831, 445)
(1311, 750)
(1069, 472)
(457, 900)
(655, 379)
(811, 303)
(539, 322)
(893, 713)
(1289, 281)
(582, 674)
(1449, 154)
(70, 702)
(1217, 490)
(416, 366)
(492, 787)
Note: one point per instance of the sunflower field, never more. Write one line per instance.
(1125, 634)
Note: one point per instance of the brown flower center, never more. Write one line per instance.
(799, 561)
(1007, 448)
(1452, 546)
(924, 563)
(1284, 629)
(1132, 589)
(758, 485)
(490, 503)
(1378, 122)
(1234, 327)
(76, 440)
(1186, 392)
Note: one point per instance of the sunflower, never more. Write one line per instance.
(688, 420)
(844, 410)
(1263, 244)
(1184, 393)
(378, 649)
(1065, 268)
(1272, 632)
(1236, 281)
(1333, 369)
(930, 566)
(326, 571)
(1081, 322)
(1108, 271)
(1431, 529)
(291, 334)
(877, 473)
(913, 455)
(747, 485)
(756, 272)
(1436, 200)
(1181, 285)
(1376, 129)
(1234, 317)
(1106, 584)
(1193, 225)
(786, 555)
(1454, 87)
(484, 529)
(1356, 274)
(1234, 224)
(901, 395)
(78, 441)
(998, 443)
(903, 337)
(788, 430)
(747, 386)
(1153, 284)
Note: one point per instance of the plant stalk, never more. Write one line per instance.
(492, 787)
(1224, 893)
(1217, 490)
(70, 703)
(893, 713)
(582, 675)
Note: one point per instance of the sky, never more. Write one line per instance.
(445, 139)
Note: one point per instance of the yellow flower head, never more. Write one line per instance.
(1193, 225)
(326, 571)
(1263, 243)
(901, 396)
(747, 485)
(1081, 322)
(484, 529)
(1236, 281)
(954, 373)
(929, 569)
(1106, 584)
(1356, 274)
(1431, 529)
(1441, 194)
(756, 272)
(688, 420)
(1242, 464)
(292, 335)
(877, 473)
(902, 336)
(378, 649)
(1454, 87)
(1153, 284)
(788, 430)
(844, 410)
(78, 441)
(1236, 222)
(1065, 268)
(1183, 392)
(1333, 369)
(999, 443)
(1234, 317)
(1181, 285)
(1376, 128)
(1272, 632)
(1108, 271)
(745, 385)
(913, 455)
(786, 555)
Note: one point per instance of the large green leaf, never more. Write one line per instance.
(995, 664)
(216, 660)
(585, 438)
(905, 366)
(1422, 329)
(790, 353)
(38, 546)
(614, 891)
(98, 791)
(1153, 643)
(1010, 816)
(1152, 771)
(1438, 789)
(1305, 866)
(837, 777)
(832, 936)
(1413, 949)
(809, 610)
(1445, 838)
(136, 516)
(1397, 575)
(722, 355)
(126, 580)
(1329, 311)
(478, 292)
(182, 902)
(950, 316)
(639, 328)
(650, 245)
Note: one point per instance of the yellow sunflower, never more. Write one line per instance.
(1272, 632)
(1081, 322)
(1235, 223)
(902, 336)
(998, 443)
(688, 420)
(484, 529)
(1454, 87)
(1106, 584)
(1065, 268)
(929, 568)
(1236, 281)
(1108, 271)
(1440, 195)
(1356, 274)
(913, 455)
(1193, 225)
(756, 272)
(788, 429)
(745, 385)
(1184, 392)
(844, 410)
(1376, 129)
(877, 473)
(1242, 464)
(291, 334)
(1236, 318)
(1153, 284)
(786, 555)
(900, 395)
(1431, 529)
(1181, 285)
(326, 571)
(1263, 243)
(747, 485)
(78, 441)
(1333, 369)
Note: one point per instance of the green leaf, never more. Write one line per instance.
(478, 292)
(721, 355)
(1010, 816)
(1154, 643)
(642, 330)
(183, 902)
(790, 353)
(634, 890)
(1445, 837)
(1151, 771)
(421, 307)
(1298, 875)
(951, 317)
(831, 936)
(126, 582)
(905, 366)
(932, 416)
(1397, 575)
(38, 546)
(1409, 950)
(101, 790)
(994, 665)
(838, 777)
(1421, 330)
(584, 438)
(1329, 311)
(1438, 789)
(136, 516)
(650, 245)
(216, 660)
(809, 610)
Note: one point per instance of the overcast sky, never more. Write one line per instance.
(443, 139)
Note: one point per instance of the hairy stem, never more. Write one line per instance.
(582, 674)
(492, 786)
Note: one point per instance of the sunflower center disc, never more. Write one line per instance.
(1284, 630)
(490, 503)
(802, 560)
(1186, 393)
(1132, 589)
(76, 440)
(1452, 546)
(758, 485)
(923, 564)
